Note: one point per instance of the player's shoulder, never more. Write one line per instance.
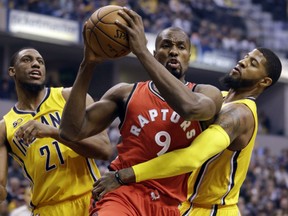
(2, 132)
(119, 91)
(122, 87)
(64, 91)
(207, 87)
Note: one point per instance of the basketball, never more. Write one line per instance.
(103, 36)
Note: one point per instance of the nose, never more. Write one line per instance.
(242, 63)
(173, 51)
(35, 63)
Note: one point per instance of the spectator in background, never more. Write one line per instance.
(4, 211)
(53, 79)
(13, 191)
(264, 123)
(7, 89)
(14, 170)
(23, 210)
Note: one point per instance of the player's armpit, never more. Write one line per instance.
(209, 143)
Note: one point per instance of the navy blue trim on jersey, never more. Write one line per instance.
(193, 88)
(200, 175)
(234, 168)
(33, 113)
(151, 86)
(251, 98)
(122, 113)
(91, 170)
(187, 212)
(24, 167)
(214, 210)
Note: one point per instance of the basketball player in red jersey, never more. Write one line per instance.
(149, 127)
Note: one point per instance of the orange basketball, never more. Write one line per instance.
(103, 36)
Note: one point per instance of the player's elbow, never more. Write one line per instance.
(68, 136)
(3, 193)
(107, 153)
(198, 112)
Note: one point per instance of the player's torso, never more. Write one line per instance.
(151, 128)
(219, 179)
(47, 163)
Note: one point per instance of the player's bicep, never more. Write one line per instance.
(100, 115)
(3, 154)
(235, 119)
(211, 100)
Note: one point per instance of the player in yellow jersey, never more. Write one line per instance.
(60, 177)
(219, 157)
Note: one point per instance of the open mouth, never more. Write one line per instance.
(35, 74)
(173, 63)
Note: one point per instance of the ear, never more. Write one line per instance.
(11, 71)
(265, 82)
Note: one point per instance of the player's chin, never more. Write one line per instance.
(175, 72)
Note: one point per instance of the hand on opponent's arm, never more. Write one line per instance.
(93, 147)
(111, 181)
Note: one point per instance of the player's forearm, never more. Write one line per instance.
(97, 146)
(3, 193)
(73, 117)
(209, 143)
(185, 102)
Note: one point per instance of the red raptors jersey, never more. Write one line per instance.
(151, 128)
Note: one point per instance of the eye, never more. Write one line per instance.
(182, 47)
(254, 63)
(165, 45)
(26, 59)
(41, 61)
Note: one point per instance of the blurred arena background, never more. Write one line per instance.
(221, 31)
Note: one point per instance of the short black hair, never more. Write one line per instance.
(177, 29)
(273, 64)
(15, 55)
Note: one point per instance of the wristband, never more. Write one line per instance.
(119, 180)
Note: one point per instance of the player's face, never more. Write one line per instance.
(29, 70)
(248, 72)
(173, 51)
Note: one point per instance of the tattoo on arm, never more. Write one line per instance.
(230, 120)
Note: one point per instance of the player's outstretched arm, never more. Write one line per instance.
(76, 122)
(233, 121)
(170, 164)
(3, 162)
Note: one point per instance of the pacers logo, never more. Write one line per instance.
(17, 122)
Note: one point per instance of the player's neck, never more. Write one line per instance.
(234, 95)
(30, 101)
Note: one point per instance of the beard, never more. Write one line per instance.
(176, 73)
(230, 82)
(33, 88)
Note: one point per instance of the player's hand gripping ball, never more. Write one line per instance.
(103, 36)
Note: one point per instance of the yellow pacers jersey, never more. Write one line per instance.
(217, 182)
(56, 172)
